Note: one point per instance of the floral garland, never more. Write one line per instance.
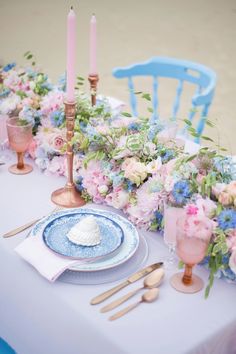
(128, 163)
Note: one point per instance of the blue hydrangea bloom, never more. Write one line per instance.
(159, 218)
(4, 93)
(226, 167)
(28, 114)
(91, 132)
(57, 118)
(153, 130)
(229, 274)
(134, 126)
(181, 192)
(205, 260)
(167, 155)
(79, 184)
(116, 179)
(47, 85)
(227, 219)
(130, 186)
(8, 67)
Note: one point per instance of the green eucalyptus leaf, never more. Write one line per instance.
(146, 96)
(126, 114)
(204, 137)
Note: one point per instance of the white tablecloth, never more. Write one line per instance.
(37, 317)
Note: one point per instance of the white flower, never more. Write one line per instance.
(103, 189)
(118, 199)
(9, 104)
(32, 85)
(169, 183)
(149, 149)
(154, 166)
(187, 169)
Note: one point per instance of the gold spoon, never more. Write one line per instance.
(153, 280)
(148, 296)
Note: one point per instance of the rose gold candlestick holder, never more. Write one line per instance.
(68, 196)
(93, 79)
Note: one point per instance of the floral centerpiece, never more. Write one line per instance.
(127, 162)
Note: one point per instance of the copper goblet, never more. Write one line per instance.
(19, 136)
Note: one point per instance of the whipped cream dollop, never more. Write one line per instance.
(86, 232)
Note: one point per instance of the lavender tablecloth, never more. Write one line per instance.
(37, 317)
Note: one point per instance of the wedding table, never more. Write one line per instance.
(39, 317)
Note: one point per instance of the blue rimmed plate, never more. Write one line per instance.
(55, 236)
(124, 252)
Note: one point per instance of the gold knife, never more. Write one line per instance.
(138, 275)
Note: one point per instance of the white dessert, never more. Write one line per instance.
(85, 233)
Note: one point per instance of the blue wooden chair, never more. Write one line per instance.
(5, 348)
(184, 71)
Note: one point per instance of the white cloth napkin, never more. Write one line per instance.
(47, 263)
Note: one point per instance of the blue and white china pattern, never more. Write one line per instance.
(55, 236)
(126, 251)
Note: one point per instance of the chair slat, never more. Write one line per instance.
(182, 70)
(155, 98)
(176, 104)
(202, 122)
(133, 99)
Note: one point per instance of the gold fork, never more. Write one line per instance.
(26, 226)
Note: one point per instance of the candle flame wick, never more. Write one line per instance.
(71, 7)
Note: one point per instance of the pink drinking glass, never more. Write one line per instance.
(191, 247)
(19, 136)
(171, 215)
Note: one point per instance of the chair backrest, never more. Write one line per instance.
(201, 76)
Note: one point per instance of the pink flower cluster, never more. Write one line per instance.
(53, 101)
(194, 223)
(93, 179)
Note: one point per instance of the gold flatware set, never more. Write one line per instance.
(151, 282)
(153, 274)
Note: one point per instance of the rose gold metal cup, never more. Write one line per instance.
(19, 136)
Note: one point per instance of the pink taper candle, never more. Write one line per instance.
(71, 41)
(93, 47)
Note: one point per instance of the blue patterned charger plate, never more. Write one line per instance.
(55, 236)
(123, 253)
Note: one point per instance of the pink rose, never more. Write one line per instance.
(127, 162)
(195, 226)
(231, 189)
(192, 209)
(206, 206)
(118, 198)
(231, 240)
(225, 198)
(232, 261)
(200, 177)
(218, 188)
(58, 142)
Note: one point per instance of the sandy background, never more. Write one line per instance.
(130, 31)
